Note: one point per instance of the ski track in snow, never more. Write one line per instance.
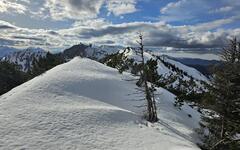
(85, 105)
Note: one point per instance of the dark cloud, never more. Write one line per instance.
(73, 9)
(6, 27)
(162, 35)
(108, 42)
(85, 5)
(53, 33)
(116, 29)
(9, 42)
(180, 40)
(28, 38)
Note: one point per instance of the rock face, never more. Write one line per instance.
(89, 51)
(76, 50)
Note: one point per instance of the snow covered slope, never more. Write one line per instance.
(98, 52)
(189, 70)
(86, 105)
(163, 70)
(174, 74)
(24, 58)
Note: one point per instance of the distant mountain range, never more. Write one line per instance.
(90, 51)
(23, 58)
(175, 76)
(204, 66)
(4, 50)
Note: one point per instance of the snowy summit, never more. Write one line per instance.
(83, 104)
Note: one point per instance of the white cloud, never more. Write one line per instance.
(121, 7)
(95, 23)
(172, 5)
(7, 6)
(214, 24)
(155, 34)
(222, 9)
(73, 9)
(82, 9)
(195, 10)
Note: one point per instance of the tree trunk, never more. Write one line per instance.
(151, 104)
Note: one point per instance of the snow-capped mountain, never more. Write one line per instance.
(130, 53)
(4, 50)
(84, 104)
(98, 52)
(76, 50)
(174, 75)
(24, 58)
(90, 51)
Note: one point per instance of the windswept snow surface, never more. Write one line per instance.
(85, 105)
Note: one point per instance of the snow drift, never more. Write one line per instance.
(86, 105)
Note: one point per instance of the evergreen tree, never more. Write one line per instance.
(225, 96)
(151, 71)
(46, 63)
(10, 77)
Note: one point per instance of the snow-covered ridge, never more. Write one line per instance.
(189, 70)
(172, 72)
(24, 58)
(98, 52)
(163, 70)
(86, 105)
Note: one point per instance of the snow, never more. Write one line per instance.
(189, 70)
(166, 72)
(162, 69)
(83, 104)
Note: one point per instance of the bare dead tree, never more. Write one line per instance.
(148, 90)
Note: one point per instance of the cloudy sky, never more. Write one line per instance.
(170, 24)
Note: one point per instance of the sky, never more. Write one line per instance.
(204, 25)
